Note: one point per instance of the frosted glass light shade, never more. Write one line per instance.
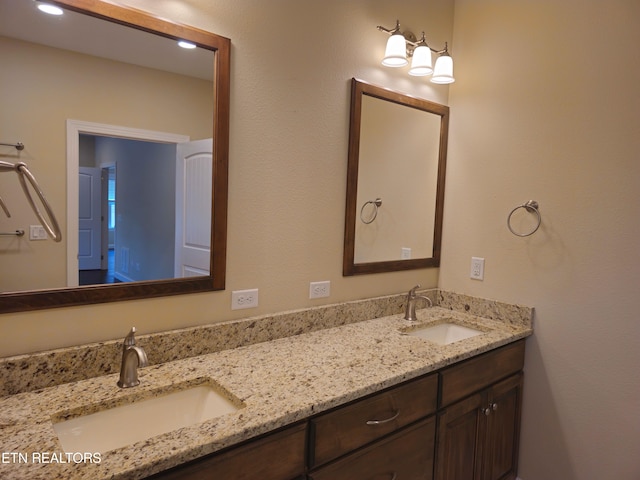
(443, 71)
(395, 54)
(421, 62)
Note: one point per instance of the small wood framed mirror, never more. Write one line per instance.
(395, 181)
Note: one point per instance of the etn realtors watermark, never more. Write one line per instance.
(50, 457)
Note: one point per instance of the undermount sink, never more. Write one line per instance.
(127, 424)
(444, 333)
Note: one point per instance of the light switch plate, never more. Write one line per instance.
(37, 232)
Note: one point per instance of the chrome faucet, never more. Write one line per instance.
(132, 358)
(412, 298)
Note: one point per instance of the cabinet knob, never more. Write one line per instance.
(491, 408)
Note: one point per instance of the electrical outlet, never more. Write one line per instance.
(405, 253)
(244, 299)
(319, 289)
(477, 268)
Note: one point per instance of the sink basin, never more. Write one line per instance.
(127, 424)
(445, 333)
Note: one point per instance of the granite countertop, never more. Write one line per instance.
(279, 382)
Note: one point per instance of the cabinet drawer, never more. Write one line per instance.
(479, 372)
(338, 432)
(407, 454)
(277, 456)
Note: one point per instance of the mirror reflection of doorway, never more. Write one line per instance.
(96, 225)
(143, 209)
(123, 217)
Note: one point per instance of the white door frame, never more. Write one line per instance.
(74, 129)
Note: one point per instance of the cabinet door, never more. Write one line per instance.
(478, 436)
(406, 455)
(503, 430)
(460, 430)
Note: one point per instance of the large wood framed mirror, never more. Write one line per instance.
(115, 107)
(395, 181)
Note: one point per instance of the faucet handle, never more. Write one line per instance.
(130, 339)
(412, 292)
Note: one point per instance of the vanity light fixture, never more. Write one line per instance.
(187, 45)
(49, 8)
(404, 45)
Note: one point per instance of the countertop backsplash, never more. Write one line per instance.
(29, 372)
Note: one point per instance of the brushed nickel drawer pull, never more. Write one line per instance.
(379, 422)
(394, 476)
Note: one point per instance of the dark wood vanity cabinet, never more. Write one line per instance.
(346, 428)
(276, 456)
(478, 434)
(407, 454)
(388, 435)
(460, 423)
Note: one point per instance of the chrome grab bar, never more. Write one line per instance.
(51, 226)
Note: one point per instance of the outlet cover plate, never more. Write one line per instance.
(319, 289)
(244, 299)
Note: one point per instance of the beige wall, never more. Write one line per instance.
(292, 63)
(546, 107)
(518, 131)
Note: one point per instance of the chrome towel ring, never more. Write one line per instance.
(375, 203)
(532, 207)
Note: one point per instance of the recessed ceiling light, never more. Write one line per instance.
(50, 9)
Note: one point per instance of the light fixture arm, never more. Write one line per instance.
(444, 51)
(390, 31)
(411, 40)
